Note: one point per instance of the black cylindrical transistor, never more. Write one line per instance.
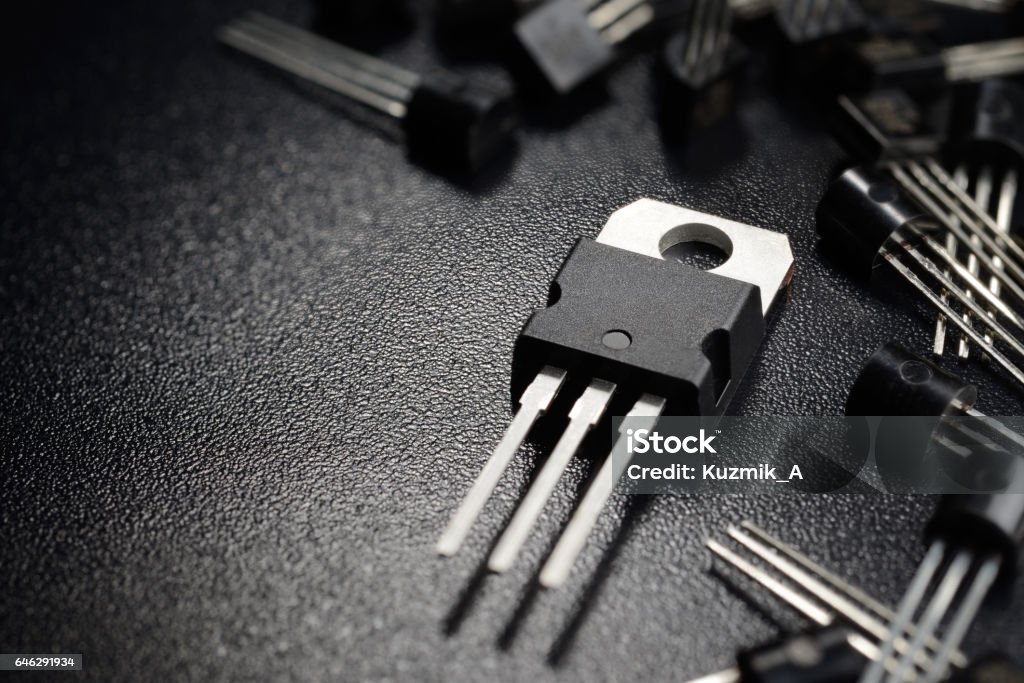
(895, 381)
(823, 655)
(975, 535)
(699, 69)
(866, 220)
(991, 524)
(973, 204)
(986, 150)
(567, 43)
(813, 32)
(910, 61)
(859, 216)
(449, 123)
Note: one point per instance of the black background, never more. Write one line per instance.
(252, 359)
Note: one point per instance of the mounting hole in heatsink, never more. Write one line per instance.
(697, 245)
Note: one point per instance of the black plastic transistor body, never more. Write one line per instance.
(564, 44)
(912, 62)
(648, 325)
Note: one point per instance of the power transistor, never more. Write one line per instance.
(627, 329)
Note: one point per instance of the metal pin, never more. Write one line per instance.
(855, 594)
(697, 31)
(642, 14)
(268, 53)
(950, 247)
(853, 613)
(936, 610)
(963, 349)
(710, 21)
(727, 676)
(995, 428)
(974, 285)
(939, 347)
(1004, 217)
(1007, 197)
(606, 14)
(954, 317)
(983, 196)
(376, 72)
(983, 580)
(940, 173)
(806, 607)
(367, 80)
(536, 399)
(585, 413)
(907, 607)
(559, 564)
(795, 600)
(980, 61)
(987, 232)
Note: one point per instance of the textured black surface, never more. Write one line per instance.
(251, 359)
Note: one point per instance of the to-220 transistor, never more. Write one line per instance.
(626, 327)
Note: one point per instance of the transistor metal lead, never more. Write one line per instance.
(698, 69)
(868, 218)
(448, 122)
(997, 203)
(626, 329)
(888, 124)
(827, 601)
(988, 140)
